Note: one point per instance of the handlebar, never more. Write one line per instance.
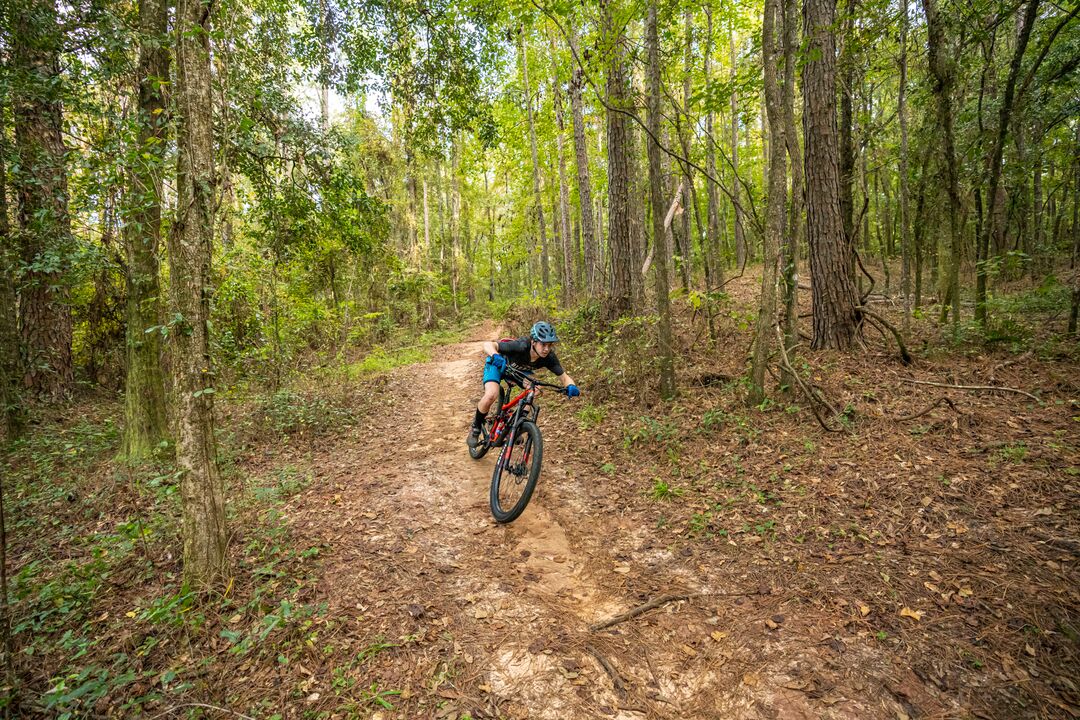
(520, 377)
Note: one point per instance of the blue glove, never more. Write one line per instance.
(497, 361)
(572, 391)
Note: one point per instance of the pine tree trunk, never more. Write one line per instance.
(145, 419)
(190, 250)
(834, 298)
(538, 195)
(774, 211)
(621, 241)
(40, 183)
(656, 194)
(847, 125)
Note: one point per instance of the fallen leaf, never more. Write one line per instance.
(689, 651)
(769, 623)
(750, 680)
(965, 592)
(1029, 650)
(913, 614)
(935, 576)
(480, 614)
(864, 609)
(622, 569)
(717, 635)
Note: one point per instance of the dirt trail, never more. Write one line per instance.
(493, 620)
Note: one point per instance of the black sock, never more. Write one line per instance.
(478, 420)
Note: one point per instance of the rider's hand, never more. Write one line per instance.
(572, 391)
(497, 361)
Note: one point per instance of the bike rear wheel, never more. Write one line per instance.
(516, 472)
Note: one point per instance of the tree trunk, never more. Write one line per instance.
(145, 419)
(795, 212)
(905, 249)
(834, 298)
(40, 183)
(685, 248)
(983, 249)
(622, 294)
(656, 195)
(713, 260)
(10, 366)
(740, 236)
(847, 125)
(942, 71)
(581, 158)
(538, 194)
(190, 250)
(568, 280)
(774, 211)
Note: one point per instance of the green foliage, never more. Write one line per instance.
(650, 430)
(662, 490)
(590, 416)
(290, 412)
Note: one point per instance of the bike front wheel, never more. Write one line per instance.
(516, 472)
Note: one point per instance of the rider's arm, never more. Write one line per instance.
(566, 380)
(490, 347)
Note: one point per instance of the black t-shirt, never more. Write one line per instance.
(518, 353)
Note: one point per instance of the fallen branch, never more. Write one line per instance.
(976, 388)
(630, 614)
(813, 398)
(675, 209)
(933, 405)
(616, 681)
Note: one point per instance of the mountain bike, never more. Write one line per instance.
(512, 427)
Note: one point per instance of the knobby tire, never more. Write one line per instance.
(482, 447)
(517, 470)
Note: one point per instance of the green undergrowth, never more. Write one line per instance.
(101, 624)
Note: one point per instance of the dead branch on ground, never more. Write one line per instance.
(630, 614)
(973, 388)
(930, 407)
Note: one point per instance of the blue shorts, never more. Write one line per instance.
(491, 373)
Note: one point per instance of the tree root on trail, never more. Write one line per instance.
(930, 407)
(630, 614)
(975, 388)
(905, 356)
(616, 681)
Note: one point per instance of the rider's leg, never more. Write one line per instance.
(491, 394)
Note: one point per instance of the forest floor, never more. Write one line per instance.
(898, 568)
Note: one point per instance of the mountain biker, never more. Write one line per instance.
(531, 352)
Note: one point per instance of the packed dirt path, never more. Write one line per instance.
(468, 618)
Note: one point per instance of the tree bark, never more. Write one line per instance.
(41, 189)
(623, 294)
(145, 419)
(714, 263)
(538, 194)
(774, 211)
(847, 125)
(190, 251)
(905, 235)
(568, 263)
(942, 74)
(834, 298)
(740, 235)
(795, 211)
(581, 159)
(656, 194)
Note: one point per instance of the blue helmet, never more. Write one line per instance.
(543, 332)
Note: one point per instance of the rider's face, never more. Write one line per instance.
(542, 349)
